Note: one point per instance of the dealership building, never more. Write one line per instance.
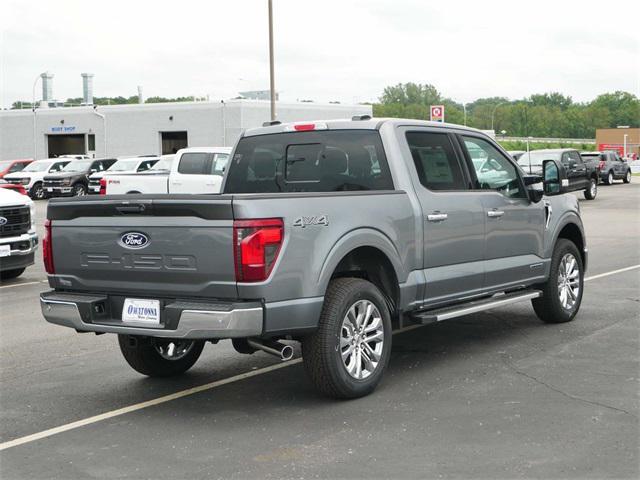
(624, 140)
(146, 128)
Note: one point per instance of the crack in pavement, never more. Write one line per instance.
(562, 392)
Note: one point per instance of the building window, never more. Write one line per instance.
(91, 140)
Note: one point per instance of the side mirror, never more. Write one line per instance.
(554, 178)
(534, 189)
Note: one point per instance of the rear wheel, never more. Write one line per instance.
(627, 177)
(562, 293)
(9, 274)
(347, 355)
(79, 190)
(156, 357)
(609, 178)
(592, 190)
(37, 192)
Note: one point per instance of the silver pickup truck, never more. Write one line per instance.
(327, 233)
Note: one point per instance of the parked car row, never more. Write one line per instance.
(584, 170)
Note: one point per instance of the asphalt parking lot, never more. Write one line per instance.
(492, 395)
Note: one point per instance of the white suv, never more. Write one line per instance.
(31, 176)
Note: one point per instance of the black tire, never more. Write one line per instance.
(79, 190)
(627, 177)
(37, 192)
(549, 307)
(141, 354)
(9, 274)
(609, 178)
(321, 351)
(591, 191)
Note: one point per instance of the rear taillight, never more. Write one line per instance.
(256, 244)
(601, 164)
(47, 248)
(103, 186)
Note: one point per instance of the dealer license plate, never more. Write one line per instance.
(5, 250)
(136, 310)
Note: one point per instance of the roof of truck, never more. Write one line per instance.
(362, 122)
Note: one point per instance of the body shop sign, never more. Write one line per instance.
(62, 129)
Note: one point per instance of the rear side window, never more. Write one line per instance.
(193, 163)
(318, 161)
(436, 161)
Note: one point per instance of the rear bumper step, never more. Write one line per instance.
(446, 313)
(189, 320)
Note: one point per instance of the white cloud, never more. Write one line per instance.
(325, 50)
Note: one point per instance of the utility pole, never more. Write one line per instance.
(272, 82)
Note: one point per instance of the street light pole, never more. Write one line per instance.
(272, 83)
(494, 112)
(625, 145)
(464, 107)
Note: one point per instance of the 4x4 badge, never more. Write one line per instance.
(309, 221)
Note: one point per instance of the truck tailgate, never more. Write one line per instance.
(174, 246)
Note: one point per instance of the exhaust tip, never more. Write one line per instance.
(286, 353)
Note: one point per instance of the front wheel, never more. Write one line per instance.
(347, 355)
(562, 293)
(37, 192)
(156, 357)
(79, 190)
(627, 177)
(592, 190)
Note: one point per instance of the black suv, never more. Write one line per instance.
(73, 180)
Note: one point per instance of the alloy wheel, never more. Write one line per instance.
(173, 349)
(568, 281)
(362, 339)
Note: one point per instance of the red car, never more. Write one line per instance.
(12, 166)
(13, 186)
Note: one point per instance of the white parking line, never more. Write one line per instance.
(201, 388)
(613, 272)
(18, 284)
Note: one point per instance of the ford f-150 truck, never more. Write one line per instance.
(582, 174)
(18, 238)
(194, 170)
(328, 233)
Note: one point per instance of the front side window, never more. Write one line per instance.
(436, 161)
(493, 170)
(315, 161)
(193, 163)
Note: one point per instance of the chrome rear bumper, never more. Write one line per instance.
(194, 321)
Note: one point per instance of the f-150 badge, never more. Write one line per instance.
(310, 221)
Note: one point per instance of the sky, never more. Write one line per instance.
(325, 50)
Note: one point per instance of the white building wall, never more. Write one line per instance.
(135, 129)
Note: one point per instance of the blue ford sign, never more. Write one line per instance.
(134, 240)
(3, 221)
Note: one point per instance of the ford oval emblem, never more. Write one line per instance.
(3, 221)
(134, 240)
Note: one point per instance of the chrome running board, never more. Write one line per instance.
(500, 300)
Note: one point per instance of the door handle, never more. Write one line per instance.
(495, 213)
(437, 217)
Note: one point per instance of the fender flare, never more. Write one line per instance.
(361, 237)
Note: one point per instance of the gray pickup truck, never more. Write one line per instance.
(327, 233)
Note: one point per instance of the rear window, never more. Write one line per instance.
(319, 161)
